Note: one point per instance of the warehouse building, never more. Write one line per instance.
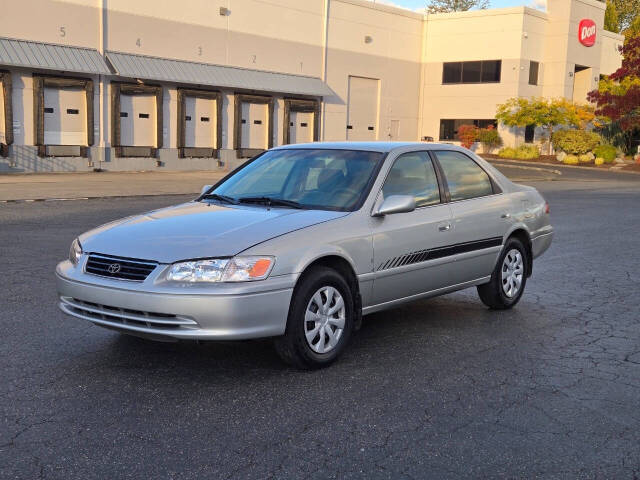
(206, 84)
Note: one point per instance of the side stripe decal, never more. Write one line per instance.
(439, 252)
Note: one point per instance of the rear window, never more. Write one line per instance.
(464, 177)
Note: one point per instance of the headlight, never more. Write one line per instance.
(75, 251)
(237, 269)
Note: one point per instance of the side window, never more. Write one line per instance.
(465, 178)
(413, 174)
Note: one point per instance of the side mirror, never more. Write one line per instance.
(204, 189)
(395, 204)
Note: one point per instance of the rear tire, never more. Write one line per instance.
(508, 279)
(320, 321)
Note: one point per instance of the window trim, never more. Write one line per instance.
(482, 62)
(537, 80)
(495, 187)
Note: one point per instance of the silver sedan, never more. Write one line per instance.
(303, 240)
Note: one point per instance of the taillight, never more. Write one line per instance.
(547, 210)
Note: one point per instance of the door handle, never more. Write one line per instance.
(505, 215)
(444, 228)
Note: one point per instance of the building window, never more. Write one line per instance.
(534, 67)
(529, 133)
(449, 127)
(485, 71)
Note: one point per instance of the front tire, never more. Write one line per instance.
(508, 279)
(320, 321)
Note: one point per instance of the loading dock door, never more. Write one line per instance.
(301, 127)
(255, 125)
(362, 116)
(3, 136)
(200, 122)
(65, 116)
(138, 120)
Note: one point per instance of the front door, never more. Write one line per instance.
(404, 242)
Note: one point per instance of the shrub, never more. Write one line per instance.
(523, 152)
(507, 152)
(489, 137)
(527, 151)
(599, 161)
(576, 142)
(606, 152)
(467, 135)
(571, 160)
(585, 158)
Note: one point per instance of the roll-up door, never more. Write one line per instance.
(65, 116)
(200, 122)
(3, 136)
(362, 122)
(138, 120)
(255, 126)
(301, 127)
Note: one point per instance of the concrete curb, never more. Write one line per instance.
(526, 167)
(592, 169)
(103, 197)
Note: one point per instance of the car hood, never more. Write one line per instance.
(197, 230)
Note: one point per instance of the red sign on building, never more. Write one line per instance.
(587, 32)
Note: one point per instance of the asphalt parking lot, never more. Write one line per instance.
(440, 388)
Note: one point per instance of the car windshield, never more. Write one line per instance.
(321, 179)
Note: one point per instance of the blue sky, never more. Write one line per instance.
(415, 4)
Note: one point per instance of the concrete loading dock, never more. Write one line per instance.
(374, 72)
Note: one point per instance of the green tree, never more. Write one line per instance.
(628, 11)
(611, 22)
(541, 112)
(443, 6)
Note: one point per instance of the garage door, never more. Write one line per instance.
(301, 127)
(362, 116)
(138, 120)
(65, 116)
(200, 122)
(255, 126)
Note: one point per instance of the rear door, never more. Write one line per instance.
(403, 242)
(481, 215)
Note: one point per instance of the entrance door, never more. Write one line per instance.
(362, 116)
(200, 122)
(581, 84)
(301, 127)
(65, 116)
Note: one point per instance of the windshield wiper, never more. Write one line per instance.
(280, 202)
(222, 198)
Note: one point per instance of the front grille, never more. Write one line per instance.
(119, 267)
(123, 317)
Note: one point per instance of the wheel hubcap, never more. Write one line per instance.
(324, 320)
(512, 271)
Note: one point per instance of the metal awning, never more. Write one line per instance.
(178, 71)
(49, 56)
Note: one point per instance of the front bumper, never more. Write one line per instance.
(213, 312)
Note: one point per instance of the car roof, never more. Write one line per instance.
(383, 147)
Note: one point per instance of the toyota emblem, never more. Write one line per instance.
(113, 268)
